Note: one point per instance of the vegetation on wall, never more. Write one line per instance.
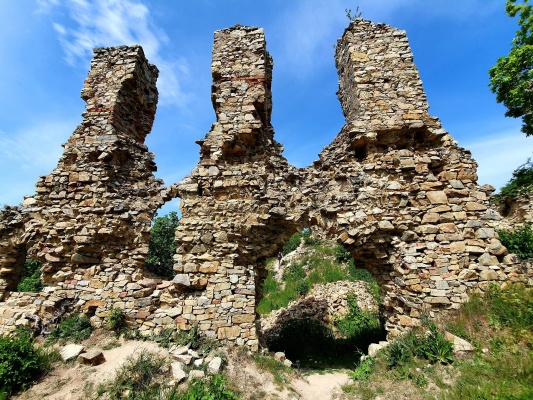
(323, 262)
(30, 280)
(521, 182)
(511, 77)
(518, 241)
(162, 245)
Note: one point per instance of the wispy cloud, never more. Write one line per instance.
(31, 161)
(102, 23)
(499, 154)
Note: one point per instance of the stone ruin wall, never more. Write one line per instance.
(393, 187)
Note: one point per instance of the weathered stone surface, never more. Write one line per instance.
(71, 351)
(393, 187)
(178, 374)
(214, 365)
(92, 357)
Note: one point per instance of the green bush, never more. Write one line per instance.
(292, 244)
(518, 241)
(116, 321)
(162, 245)
(213, 388)
(360, 327)
(363, 370)
(30, 281)
(342, 255)
(21, 363)
(302, 288)
(431, 346)
(308, 239)
(75, 327)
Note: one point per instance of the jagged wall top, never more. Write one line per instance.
(378, 78)
(242, 77)
(108, 90)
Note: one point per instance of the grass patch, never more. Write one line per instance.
(360, 328)
(325, 262)
(75, 327)
(498, 323)
(279, 371)
(137, 378)
(116, 321)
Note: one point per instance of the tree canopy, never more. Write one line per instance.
(162, 245)
(511, 79)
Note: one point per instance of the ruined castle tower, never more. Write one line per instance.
(393, 187)
(95, 208)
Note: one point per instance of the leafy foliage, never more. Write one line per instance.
(363, 370)
(30, 280)
(308, 238)
(162, 245)
(75, 327)
(518, 241)
(511, 78)
(212, 389)
(116, 321)
(431, 346)
(21, 362)
(323, 263)
(521, 182)
(292, 244)
(341, 254)
(359, 327)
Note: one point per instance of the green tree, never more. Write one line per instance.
(30, 281)
(511, 79)
(162, 245)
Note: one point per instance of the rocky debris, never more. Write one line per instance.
(71, 351)
(92, 357)
(374, 348)
(196, 374)
(178, 374)
(215, 365)
(460, 346)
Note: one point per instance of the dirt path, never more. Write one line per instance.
(320, 386)
(77, 381)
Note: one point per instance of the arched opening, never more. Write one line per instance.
(317, 304)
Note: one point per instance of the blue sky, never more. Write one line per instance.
(45, 50)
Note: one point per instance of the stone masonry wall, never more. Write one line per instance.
(393, 187)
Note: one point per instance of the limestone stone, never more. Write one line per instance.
(71, 351)
(393, 187)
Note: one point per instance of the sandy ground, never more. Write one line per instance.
(320, 386)
(77, 381)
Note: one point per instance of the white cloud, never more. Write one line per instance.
(499, 155)
(27, 154)
(103, 23)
